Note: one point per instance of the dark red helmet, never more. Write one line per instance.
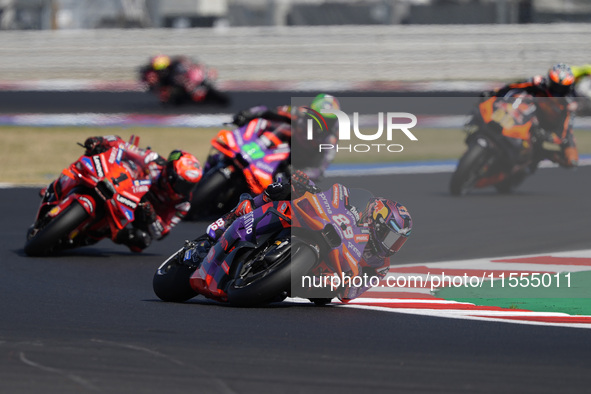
(182, 172)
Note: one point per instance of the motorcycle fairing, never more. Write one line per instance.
(255, 150)
(246, 234)
(90, 180)
(331, 219)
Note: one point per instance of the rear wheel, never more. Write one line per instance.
(258, 283)
(49, 238)
(470, 169)
(171, 281)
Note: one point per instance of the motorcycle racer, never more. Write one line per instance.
(388, 222)
(555, 116)
(292, 129)
(167, 200)
(164, 72)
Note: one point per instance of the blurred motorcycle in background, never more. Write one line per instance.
(583, 91)
(501, 139)
(179, 80)
(244, 160)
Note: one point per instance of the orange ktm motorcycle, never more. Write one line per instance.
(502, 137)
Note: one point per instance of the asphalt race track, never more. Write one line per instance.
(88, 321)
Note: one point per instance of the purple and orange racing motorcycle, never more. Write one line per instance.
(264, 255)
(244, 160)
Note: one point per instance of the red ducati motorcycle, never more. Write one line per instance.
(92, 199)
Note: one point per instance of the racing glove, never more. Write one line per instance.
(94, 146)
(146, 213)
(277, 192)
(301, 183)
(148, 220)
(246, 115)
(242, 118)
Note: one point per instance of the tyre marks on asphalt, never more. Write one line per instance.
(66, 374)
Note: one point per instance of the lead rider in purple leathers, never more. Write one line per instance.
(389, 224)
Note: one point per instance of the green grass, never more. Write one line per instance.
(36, 155)
(572, 296)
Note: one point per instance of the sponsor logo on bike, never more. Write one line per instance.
(336, 195)
(126, 201)
(86, 201)
(248, 221)
(119, 155)
(99, 166)
(265, 167)
(355, 213)
(354, 248)
(326, 204)
(362, 238)
(318, 207)
(87, 163)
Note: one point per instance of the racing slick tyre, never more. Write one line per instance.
(469, 170)
(48, 238)
(212, 195)
(171, 281)
(260, 281)
(217, 97)
(321, 301)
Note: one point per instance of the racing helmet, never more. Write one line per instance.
(160, 62)
(182, 172)
(561, 80)
(323, 125)
(326, 102)
(389, 225)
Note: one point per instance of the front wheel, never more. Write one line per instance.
(470, 169)
(171, 281)
(215, 195)
(49, 238)
(217, 97)
(253, 286)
